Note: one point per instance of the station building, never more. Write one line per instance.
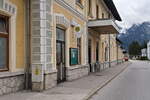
(46, 42)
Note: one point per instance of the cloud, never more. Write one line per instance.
(133, 11)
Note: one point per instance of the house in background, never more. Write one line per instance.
(148, 50)
(144, 52)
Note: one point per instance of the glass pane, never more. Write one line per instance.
(63, 53)
(3, 25)
(58, 53)
(60, 34)
(3, 52)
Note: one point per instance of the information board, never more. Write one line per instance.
(73, 56)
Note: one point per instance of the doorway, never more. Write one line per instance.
(97, 52)
(89, 54)
(60, 55)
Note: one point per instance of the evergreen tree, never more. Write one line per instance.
(134, 48)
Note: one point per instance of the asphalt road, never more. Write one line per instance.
(132, 84)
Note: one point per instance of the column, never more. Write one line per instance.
(41, 37)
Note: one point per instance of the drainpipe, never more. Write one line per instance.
(27, 44)
(109, 52)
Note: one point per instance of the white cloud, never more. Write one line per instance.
(133, 11)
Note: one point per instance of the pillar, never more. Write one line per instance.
(41, 37)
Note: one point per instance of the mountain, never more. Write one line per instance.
(138, 32)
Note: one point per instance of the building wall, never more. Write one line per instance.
(102, 10)
(67, 11)
(103, 13)
(102, 38)
(113, 48)
(70, 34)
(20, 33)
(13, 80)
(75, 71)
(104, 44)
(16, 35)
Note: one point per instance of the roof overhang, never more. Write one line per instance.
(119, 41)
(111, 6)
(104, 26)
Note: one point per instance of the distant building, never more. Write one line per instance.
(144, 52)
(148, 50)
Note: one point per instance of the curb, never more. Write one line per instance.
(92, 93)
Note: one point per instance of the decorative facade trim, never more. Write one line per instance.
(68, 7)
(8, 7)
(62, 20)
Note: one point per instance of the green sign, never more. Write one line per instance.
(73, 56)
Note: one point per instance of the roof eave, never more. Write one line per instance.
(111, 6)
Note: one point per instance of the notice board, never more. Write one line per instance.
(73, 56)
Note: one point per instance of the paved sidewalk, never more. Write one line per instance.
(79, 89)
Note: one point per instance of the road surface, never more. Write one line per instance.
(132, 84)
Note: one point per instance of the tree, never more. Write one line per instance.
(134, 48)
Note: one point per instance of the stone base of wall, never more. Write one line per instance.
(50, 80)
(114, 63)
(104, 65)
(11, 82)
(76, 72)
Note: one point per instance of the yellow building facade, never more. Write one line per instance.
(12, 45)
(46, 42)
(102, 34)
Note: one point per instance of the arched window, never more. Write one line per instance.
(4, 44)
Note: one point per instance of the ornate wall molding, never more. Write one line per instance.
(65, 5)
(8, 7)
(62, 20)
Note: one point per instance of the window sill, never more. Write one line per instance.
(76, 67)
(10, 74)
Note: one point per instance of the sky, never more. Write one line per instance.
(133, 12)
